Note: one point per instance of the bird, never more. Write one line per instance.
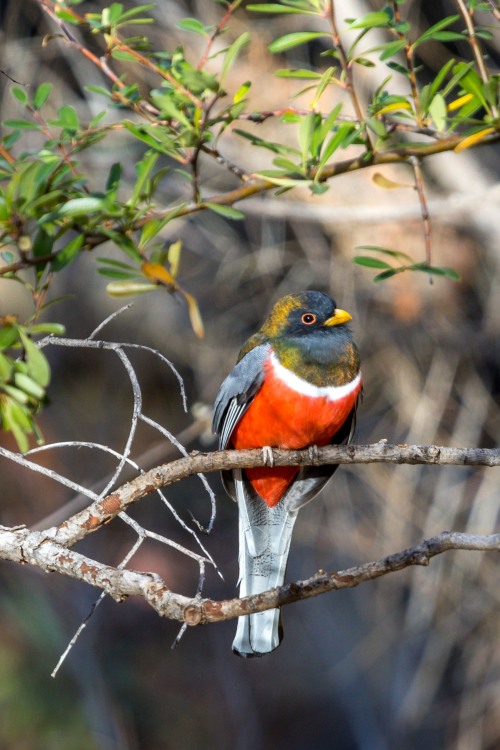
(296, 384)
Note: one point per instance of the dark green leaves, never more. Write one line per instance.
(406, 264)
(24, 377)
(288, 41)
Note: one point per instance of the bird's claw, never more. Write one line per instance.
(267, 455)
(313, 453)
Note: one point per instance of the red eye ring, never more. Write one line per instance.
(309, 318)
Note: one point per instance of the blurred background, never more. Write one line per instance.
(408, 661)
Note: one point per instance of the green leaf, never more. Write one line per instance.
(129, 288)
(306, 131)
(323, 83)
(124, 242)
(242, 92)
(294, 40)
(288, 166)
(117, 264)
(144, 169)
(113, 181)
(16, 393)
(114, 273)
(386, 251)
(318, 188)
(390, 48)
(448, 36)
(438, 112)
(151, 229)
(99, 90)
(38, 367)
(232, 53)
(22, 124)
(9, 334)
(192, 24)
(340, 138)
(76, 207)
(57, 329)
(377, 19)
(126, 15)
(16, 420)
(387, 274)
(276, 8)
(277, 148)
(459, 71)
(29, 386)
(20, 95)
(433, 30)
(435, 270)
(41, 95)
(68, 119)
(297, 73)
(365, 260)
(120, 54)
(6, 367)
(471, 82)
(377, 126)
(227, 211)
(68, 253)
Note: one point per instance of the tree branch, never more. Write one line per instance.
(39, 549)
(49, 549)
(104, 510)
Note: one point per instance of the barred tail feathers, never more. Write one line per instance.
(264, 537)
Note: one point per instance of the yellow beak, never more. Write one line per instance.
(338, 317)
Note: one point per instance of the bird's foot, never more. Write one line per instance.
(313, 453)
(267, 455)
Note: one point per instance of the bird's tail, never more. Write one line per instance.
(264, 539)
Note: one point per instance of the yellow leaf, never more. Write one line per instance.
(174, 257)
(394, 107)
(385, 182)
(471, 140)
(457, 103)
(195, 316)
(157, 272)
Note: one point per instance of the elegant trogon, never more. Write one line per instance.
(296, 384)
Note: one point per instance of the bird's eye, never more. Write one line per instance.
(309, 318)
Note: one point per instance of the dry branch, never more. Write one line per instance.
(104, 510)
(49, 549)
(39, 549)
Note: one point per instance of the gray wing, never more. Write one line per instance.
(311, 479)
(237, 391)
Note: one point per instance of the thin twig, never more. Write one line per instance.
(419, 187)
(409, 63)
(346, 68)
(474, 43)
(232, 7)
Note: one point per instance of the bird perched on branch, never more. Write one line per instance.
(296, 384)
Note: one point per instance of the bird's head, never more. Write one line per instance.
(309, 335)
(303, 314)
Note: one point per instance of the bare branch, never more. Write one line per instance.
(37, 548)
(104, 510)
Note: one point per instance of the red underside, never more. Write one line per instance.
(282, 418)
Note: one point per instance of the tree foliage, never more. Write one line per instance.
(53, 209)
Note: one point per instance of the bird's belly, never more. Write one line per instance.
(281, 417)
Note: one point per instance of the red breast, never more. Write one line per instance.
(293, 415)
